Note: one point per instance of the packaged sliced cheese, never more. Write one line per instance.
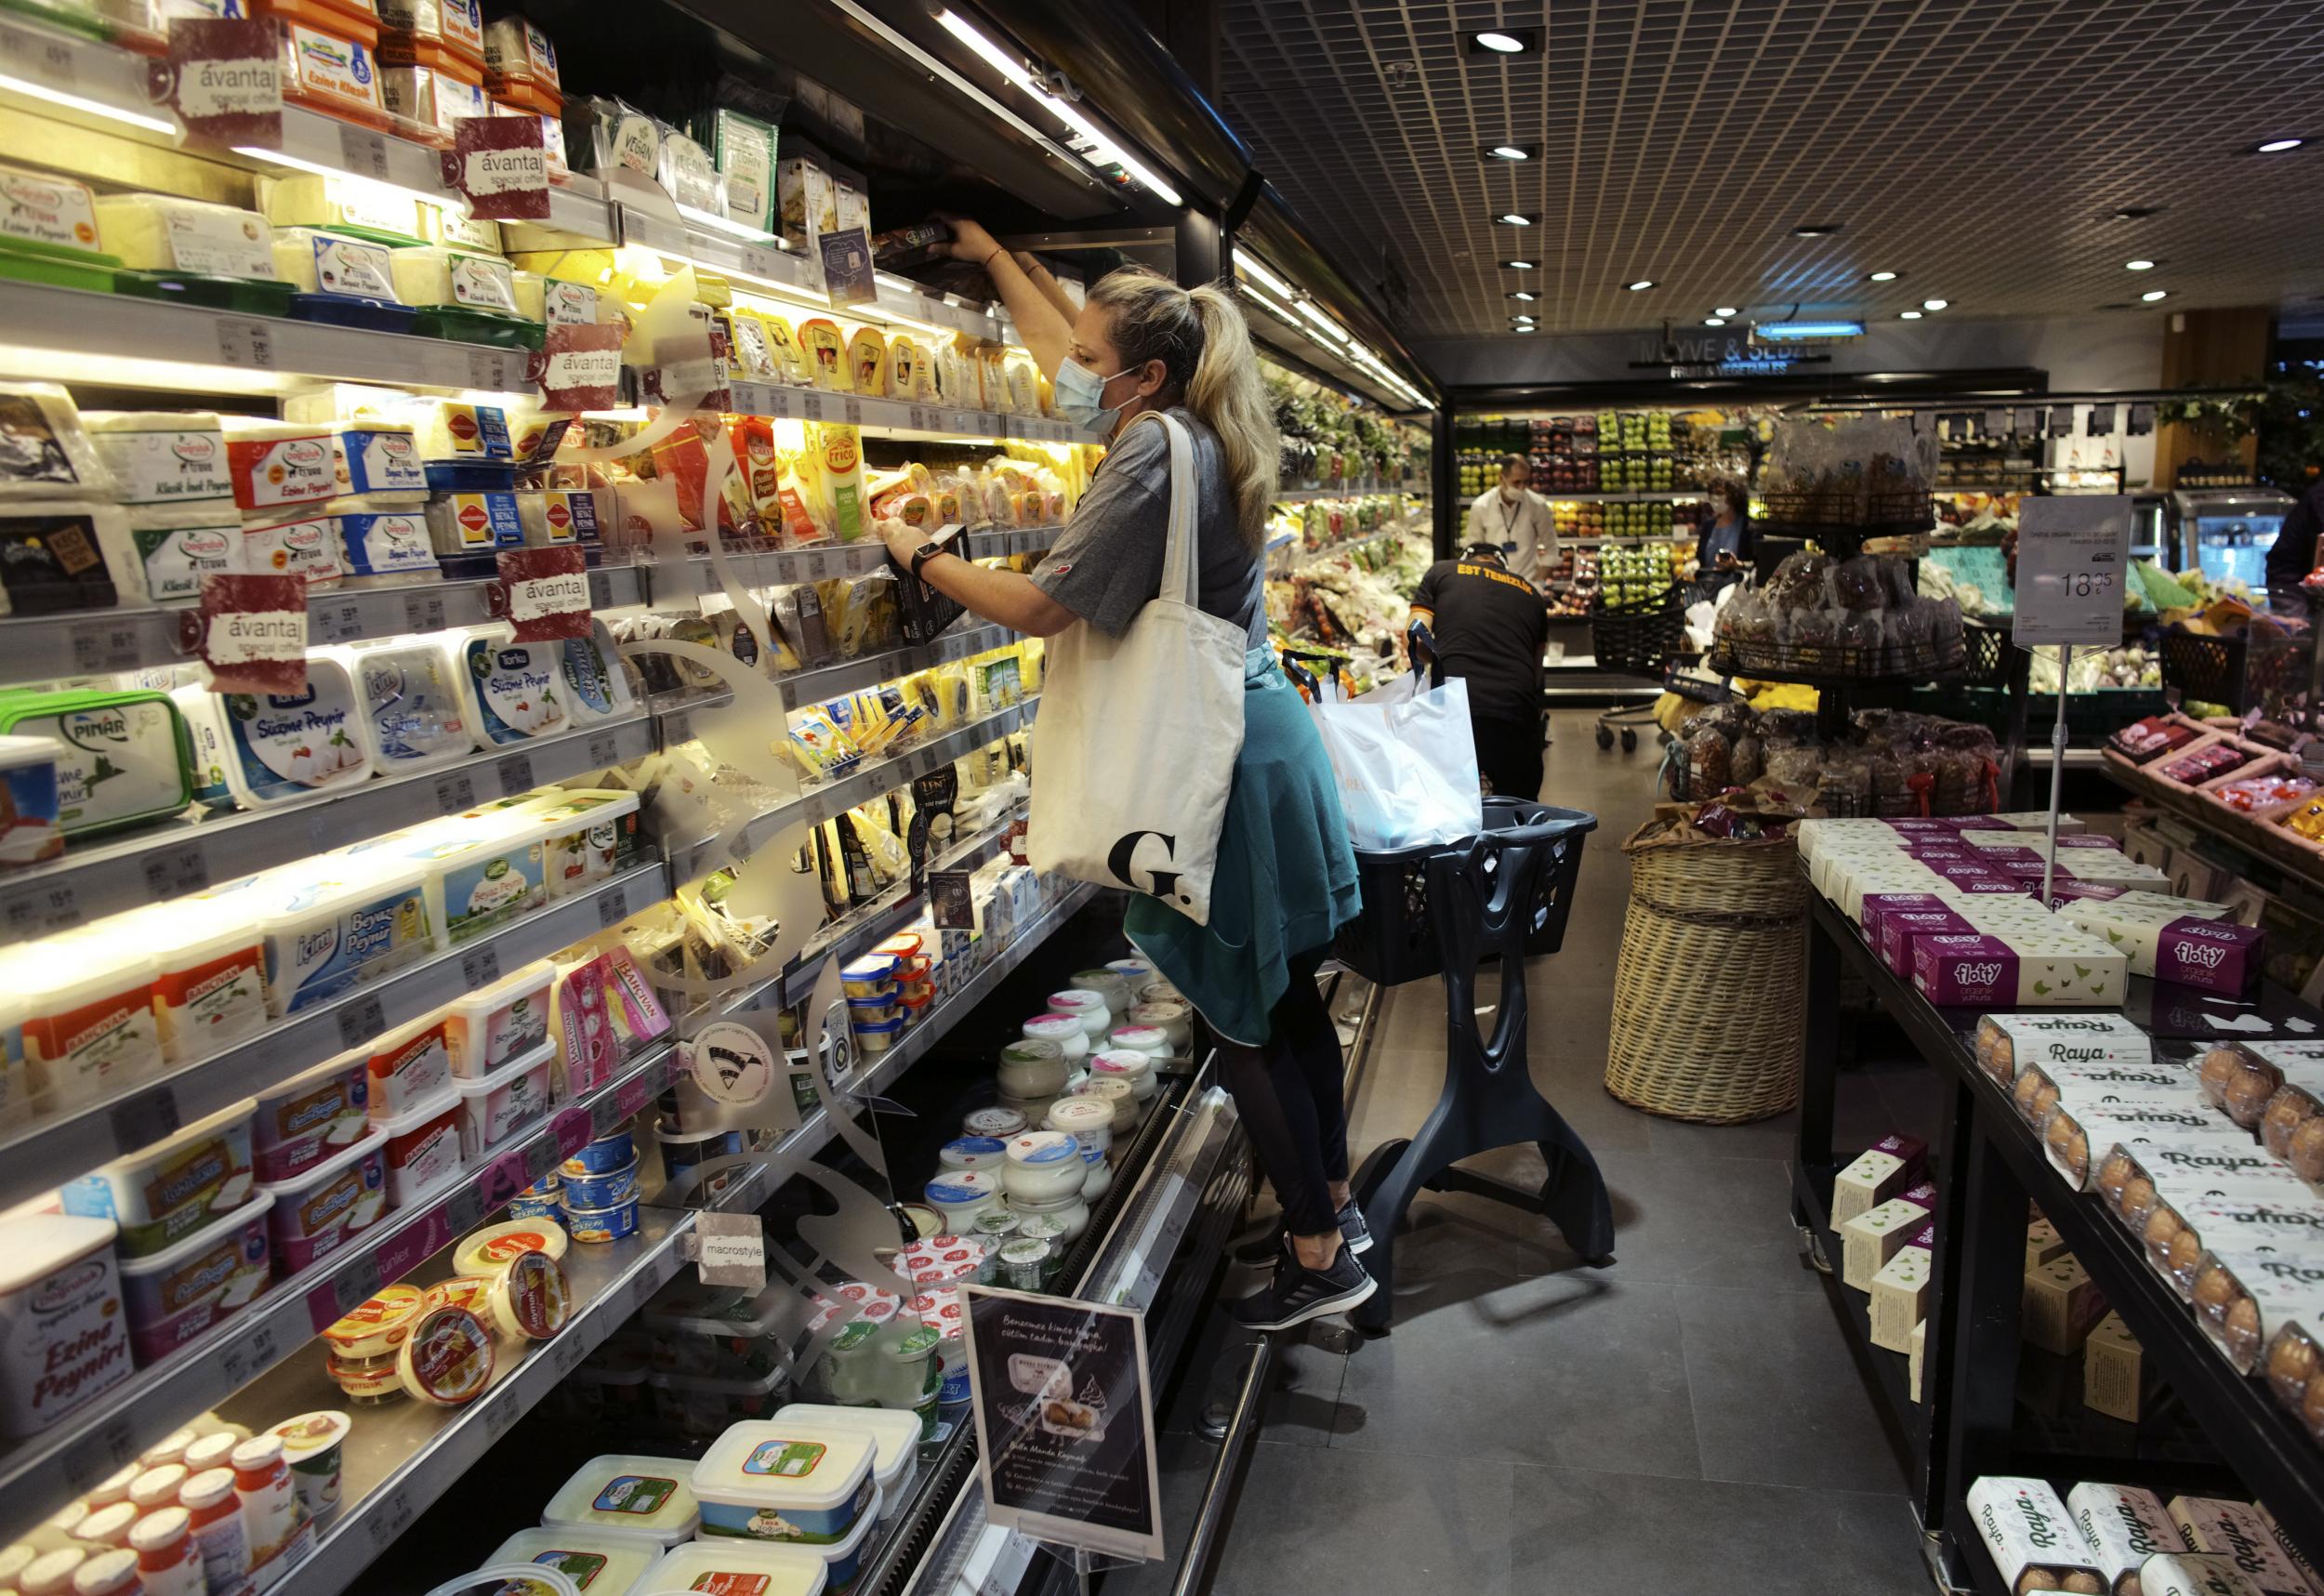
(432, 274)
(867, 361)
(337, 263)
(688, 173)
(909, 374)
(751, 359)
(617, 135)
(826, 356)
(157, 232)
(432, 95)
(456, 231)
(45, 447)
(1025, 392)
(456, 430)
(838, 451)
(783, 344)
(515, 48)
(336, 202)
(474, 523)
(742, 148)
(47, 212)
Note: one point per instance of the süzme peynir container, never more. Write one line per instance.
(62, 1334)
(764, 1482)
(649, 1499)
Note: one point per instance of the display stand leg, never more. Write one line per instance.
(1974, 1394)
(1481, 897)
(2057, 775)
(1819, 1063)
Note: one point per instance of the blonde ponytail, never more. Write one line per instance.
(1205, 347)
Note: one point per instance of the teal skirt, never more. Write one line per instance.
(1286, 879)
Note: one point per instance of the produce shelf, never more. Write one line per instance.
(2275, 844)
(36, 1156)
(1359, 490)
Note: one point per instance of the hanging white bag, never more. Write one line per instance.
(1134, 749)
(1407, 764)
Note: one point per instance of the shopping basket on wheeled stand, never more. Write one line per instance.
(1635, 638)
(1444, 909)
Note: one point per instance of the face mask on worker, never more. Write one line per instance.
(1081, 397)
(1509, 492)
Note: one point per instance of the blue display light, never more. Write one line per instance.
(1805, 332)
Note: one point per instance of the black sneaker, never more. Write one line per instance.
(1297, 1293)
(1353, 1233)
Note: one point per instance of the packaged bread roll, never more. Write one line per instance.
(2035, 1542)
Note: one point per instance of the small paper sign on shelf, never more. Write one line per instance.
(500, 165)
(223, 77)
(2073, 559)
(581, 366)
(847, 268)
(545, 593)
(253, 634)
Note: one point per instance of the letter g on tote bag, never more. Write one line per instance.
(1134, 750)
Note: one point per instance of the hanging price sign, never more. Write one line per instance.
(224, 78)
(253, 634)
(501, 165)
(581, 366)
(2073, 557)
(547, 593)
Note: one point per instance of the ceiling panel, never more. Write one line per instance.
(1980, 148)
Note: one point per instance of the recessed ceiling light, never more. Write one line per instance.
(1521, 316)
(1907, 315)
(1880, 277)
(1518, 265)
(1499, 43)
(1816, 230)
(1934, 304)
(1517, 218)
(1726, 311)
(1525, 327)
(1714, 321)
(1642, 284)
(1507, 152)
(2277, 146)
(1525, 294)
(2154, 293)
(2138, 266)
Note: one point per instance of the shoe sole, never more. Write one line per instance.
(1316, 1310)
(1358, 1245)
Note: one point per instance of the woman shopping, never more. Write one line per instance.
(1139, 350)
(1724, 550)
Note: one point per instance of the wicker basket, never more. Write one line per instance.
(1709, 988)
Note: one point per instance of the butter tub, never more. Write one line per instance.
(648, 1498)
(766, 1480)
(730, 1566)
(160, 1195)
(175, 1294)
(310, 1117)
(317, 1211)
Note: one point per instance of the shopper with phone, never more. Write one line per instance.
(1725, 548)
(1284, 879)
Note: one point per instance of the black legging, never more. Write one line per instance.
(1288, 1093)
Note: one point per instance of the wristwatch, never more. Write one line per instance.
(923, 554)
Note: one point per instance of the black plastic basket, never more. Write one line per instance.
(1394, 939)
(1986, 650)
(2264, 672)
(1637, 639)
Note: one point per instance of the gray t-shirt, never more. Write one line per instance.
(1107, 564)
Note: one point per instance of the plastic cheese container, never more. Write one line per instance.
(494, 1024)
(521, 691)
(583, 845)
(383, 546)
(735, 1568)
(159, 233)
(457, 25)
(766, 1482)
(897, 1435)
(423, 1149)
(338, 264)
(482, 872)
(648, 1498)
(28, 832)
(414, 710)
(600, 1564)
(118, 762)
(362, 920)
(431, 85)
(288, 748)
(431, 274)
(310, 1116)
(409, 1066)
(162, 1194)
(175, 1294)
(496, 1106)
(316, 1210)
(89, 1028)
(209, 985)
(62, 1338)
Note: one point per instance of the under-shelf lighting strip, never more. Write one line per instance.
(1342, 345)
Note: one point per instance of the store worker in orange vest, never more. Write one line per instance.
(1474, 619)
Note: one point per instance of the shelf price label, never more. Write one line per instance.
(2073, 558)
(36, 908)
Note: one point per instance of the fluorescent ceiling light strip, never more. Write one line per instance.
(31, 90)
(1308, 310)
(1257, 272)
(441, 200)
(1108, 149)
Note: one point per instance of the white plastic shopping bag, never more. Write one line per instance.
(1137, 735)
(1407, 764)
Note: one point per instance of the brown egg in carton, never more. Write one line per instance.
(2295, 1370)
(2068, 1130)
(2035, 1542)
(2240, 1078)
(2291, 1126)
(2244, 1296)
(2136, 1178)
(2040, 1087)
(2007, 1043)
(2180, 1241)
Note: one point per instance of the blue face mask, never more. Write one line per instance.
(1081, 398)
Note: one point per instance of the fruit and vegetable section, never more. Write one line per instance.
(2091, 1306)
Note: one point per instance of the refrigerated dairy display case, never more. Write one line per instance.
(2227, 531)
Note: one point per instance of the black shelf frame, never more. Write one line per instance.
(1989, 1163)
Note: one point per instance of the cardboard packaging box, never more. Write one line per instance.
(1900, 1297)
(2113, 1365)
(2060, 1306)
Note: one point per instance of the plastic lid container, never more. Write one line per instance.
(763, 1480)
(447, 1360)
(163, 1192)
(318, 1208)
(377, 1327)
(647, 1499)
(895, 1439)
(1042, 1164)
(502, 1105)
(734, 1568)
(424, 1153)
(509, 1579)
(492, 1025)
(972, 1152)
(495, 1247)
(598, 1564)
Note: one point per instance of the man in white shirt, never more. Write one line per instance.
(1515, 522)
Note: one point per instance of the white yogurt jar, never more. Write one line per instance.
(1097, 1182)
(1147, 1039)
(1033, 1068)
(1065, 1030)
(972, 1152)
(1119, 1099)
(1070, 1211)
(961, 1194)
(1088, 1006)
(1174, 1017)
(1112, 986)
(1042, 1164)
(1126, 1064)
(1088, 1120)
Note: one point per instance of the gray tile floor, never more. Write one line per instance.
(1687, 1420)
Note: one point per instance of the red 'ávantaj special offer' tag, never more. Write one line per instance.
(545, 593)
(501, 165)
(253, 634)
(581, 367)
(223, 77)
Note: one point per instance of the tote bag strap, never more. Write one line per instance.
(1178, 553)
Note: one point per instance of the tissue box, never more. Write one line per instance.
(1900, 1297)
(2060, 1306)
(1878, 1173)
(2020, 971)
(2177, 940)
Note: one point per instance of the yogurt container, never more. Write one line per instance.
(598, 1565)
(1089, 1119)
(487, 1028)
(1032, 1068)
(1041, 1165)
(29, 829)
(740, 1568)
(411, 702)
(765, 1482)
(310, 1116)
(603, 1156)
(585, 837)
(310, 1444)
(498, 1106)
(172, 1296)
(1087, 1006)
(1065, 1030)
(492, 1249)
(646, 1498)
(973, 1152)
(63, 1341)
(998, 1123)
(1112, 984)
(409, 1066)
(423, 1149)
(1129, 1064)
(1121, 1103)
(1174, 1017)
(317, 1209)
(160, 1195)
(961, 1194)
(610, 1222)
(1151, 1040)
